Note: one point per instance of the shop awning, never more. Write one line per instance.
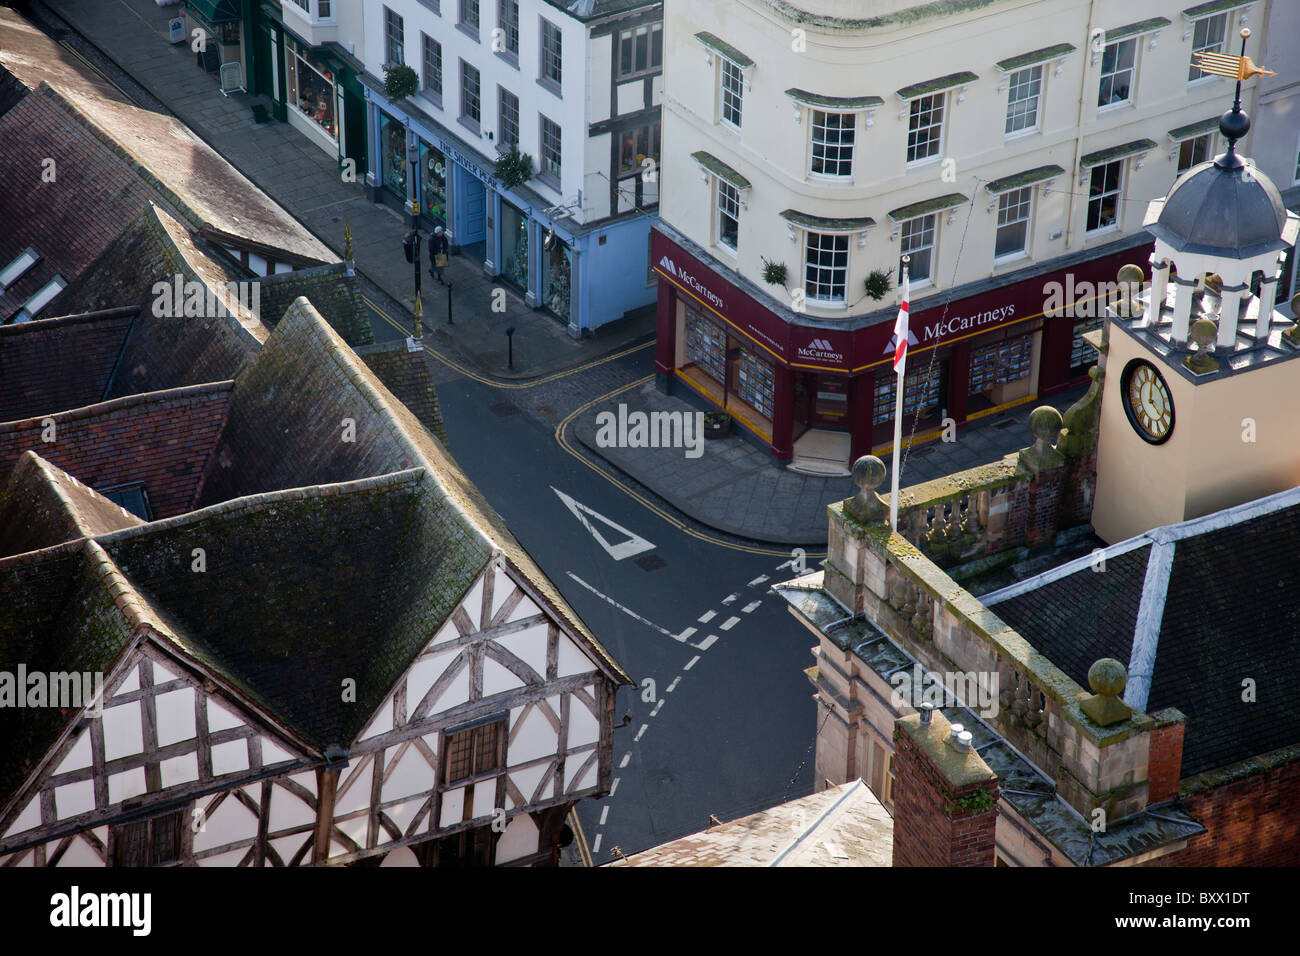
(215, 11)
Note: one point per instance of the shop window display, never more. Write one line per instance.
(392, 140)
(555, 278)
(433, 183)
(312, 87)
(514, 245)
(921, 390)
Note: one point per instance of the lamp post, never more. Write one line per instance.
(412, 162)
(510, 347)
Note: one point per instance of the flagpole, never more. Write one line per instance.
(898, 422)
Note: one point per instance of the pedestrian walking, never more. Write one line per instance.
(438, 254)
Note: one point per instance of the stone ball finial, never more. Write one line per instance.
(1131, 273)
(1107, 677)
(868, 475)
(1045, 423)
(1204, 333)
(869, 472)
(1295, 304)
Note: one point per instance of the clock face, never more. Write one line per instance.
(1147, 402)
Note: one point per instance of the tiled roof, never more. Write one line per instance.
(840, 826)
(1227, 615)
(60, 363)
(407, 376)
(41, 505)
(335, 295)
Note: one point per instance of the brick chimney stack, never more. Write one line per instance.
(945, 795)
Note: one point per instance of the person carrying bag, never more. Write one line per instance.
(438, 254)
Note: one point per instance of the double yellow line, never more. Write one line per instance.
(584, 852)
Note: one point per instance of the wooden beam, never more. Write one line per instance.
(326, 784)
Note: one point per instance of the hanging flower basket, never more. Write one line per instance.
(400, 81)
(514, 168)
(717, 424)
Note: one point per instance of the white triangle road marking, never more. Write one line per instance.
(624, 549)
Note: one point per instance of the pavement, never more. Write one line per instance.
(307, 182)
(737, 487)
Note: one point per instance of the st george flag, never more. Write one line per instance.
(901, 332)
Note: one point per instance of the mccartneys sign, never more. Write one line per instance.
(945, 327)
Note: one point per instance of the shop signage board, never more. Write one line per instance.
(807, 346)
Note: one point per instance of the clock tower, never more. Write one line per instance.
(1200, 394)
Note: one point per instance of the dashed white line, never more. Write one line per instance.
(707, 616)
(757, 581)
(691, 662)
(749, 608)
(656, 708)
(626, 610)
(730, 598)
(637, 738)
(614, 785)
(685, 634)
(627, 758)
(604, 812)
(708, 642)
(673, 686)
(595, 847)
(729, 623)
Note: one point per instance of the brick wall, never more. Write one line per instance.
(163, 439)
(1254, 821)
(1165, 763)
(930, 828)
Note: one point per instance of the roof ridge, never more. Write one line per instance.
(117, 404)
(126, 598)
(257, 502)
(76, 318)
(58, 479)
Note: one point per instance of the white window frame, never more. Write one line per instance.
(545, 173)
(1037, 97)
(433, 94)
(503, 139)
(508, 17)
(1132, 70)
(1208, 136)
(465, 117)
(904, 227)
(837, 237)
(1220, 47)
(629, 36)
(942, 104)
(852, 146)
(724, 91)
(547, 57)
(391, 15)
(1023, 197)
(723, 189)
(1118, 193)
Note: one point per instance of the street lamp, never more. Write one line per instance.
(510, 347)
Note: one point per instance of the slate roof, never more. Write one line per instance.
(1228, 613)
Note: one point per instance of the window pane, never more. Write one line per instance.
(925, 127)
(732, 92)
(826, 265)
(1022, 101)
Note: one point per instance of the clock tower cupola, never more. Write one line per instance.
(1201, 390)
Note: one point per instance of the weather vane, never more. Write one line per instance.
(1233, 67)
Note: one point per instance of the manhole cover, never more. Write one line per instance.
(650, 562)
(502, 409)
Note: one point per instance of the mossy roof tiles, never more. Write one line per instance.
(1053, 52)
(718, 45)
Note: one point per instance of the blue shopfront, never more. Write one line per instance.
(583, 276)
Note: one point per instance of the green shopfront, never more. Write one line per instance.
(315, 88)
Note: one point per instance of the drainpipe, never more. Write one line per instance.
(1078, 140)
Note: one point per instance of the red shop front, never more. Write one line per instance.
(783, 379)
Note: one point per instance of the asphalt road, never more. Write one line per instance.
(726, 726)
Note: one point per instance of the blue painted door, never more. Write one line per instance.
(474, 211)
